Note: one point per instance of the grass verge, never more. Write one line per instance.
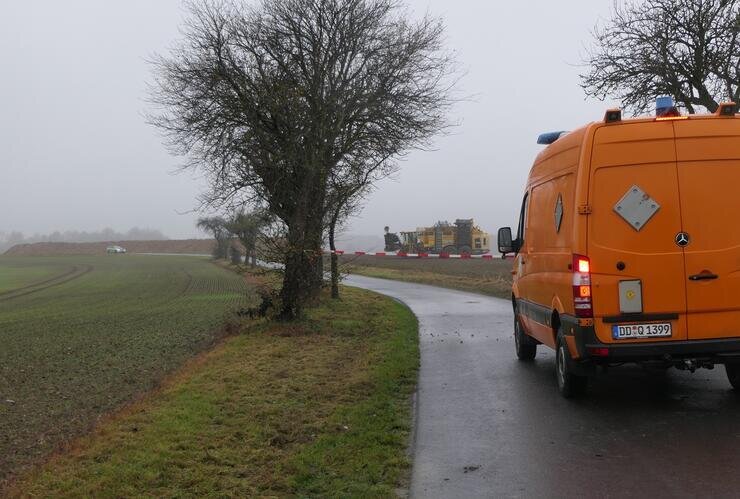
(318, 408)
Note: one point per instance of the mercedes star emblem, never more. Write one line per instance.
(682, 239)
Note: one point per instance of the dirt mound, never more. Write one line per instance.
(194, 246)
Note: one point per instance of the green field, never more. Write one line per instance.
(81, 336)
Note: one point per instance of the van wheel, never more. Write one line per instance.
(526, 349)
(733, 375)
(570, 385)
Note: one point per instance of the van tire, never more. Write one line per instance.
(526, 348)
(733, 375)
(570, 385)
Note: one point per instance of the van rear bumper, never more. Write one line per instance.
(717, 351)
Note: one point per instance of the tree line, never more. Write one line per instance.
(250, 229)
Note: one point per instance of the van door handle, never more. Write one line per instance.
(704, 276)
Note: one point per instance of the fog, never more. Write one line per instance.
(76, 153)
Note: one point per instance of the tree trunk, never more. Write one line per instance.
(250, 251)
(334, 257)
(315, 234)
(298, 281)
(302, 265)
(294, 283)
(303, 276)
(319, 271)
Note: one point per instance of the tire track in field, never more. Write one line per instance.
(188, 282)
(75, 273)
(71, 270)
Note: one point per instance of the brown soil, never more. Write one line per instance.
(194, 246)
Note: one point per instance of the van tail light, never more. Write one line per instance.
(582, 287)
(598, 351)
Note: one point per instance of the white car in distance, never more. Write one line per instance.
(115, 249)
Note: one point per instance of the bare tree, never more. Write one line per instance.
(269, 100)
(248, 227)
(349, 184)
(688, 49)
(217, 227)
(345, 205)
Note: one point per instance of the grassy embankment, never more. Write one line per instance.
(490, 277)
(318, 408)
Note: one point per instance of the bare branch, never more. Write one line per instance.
(688, 49)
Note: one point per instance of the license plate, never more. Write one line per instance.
(652, 330)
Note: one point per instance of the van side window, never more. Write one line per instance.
(523, 220)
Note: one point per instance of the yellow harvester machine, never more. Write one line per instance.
(462, 237)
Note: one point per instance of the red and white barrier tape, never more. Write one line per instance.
(402, 254)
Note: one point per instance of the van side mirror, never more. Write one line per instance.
(505, 241)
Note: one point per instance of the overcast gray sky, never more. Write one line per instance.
(76, 153)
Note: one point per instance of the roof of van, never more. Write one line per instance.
(568, 146)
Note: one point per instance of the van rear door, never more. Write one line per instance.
(637, 159)
(708, 155)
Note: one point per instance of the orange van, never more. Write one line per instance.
(628, 246)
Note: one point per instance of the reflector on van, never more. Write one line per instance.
(671, 118)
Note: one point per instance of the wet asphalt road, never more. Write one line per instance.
(491, 426)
